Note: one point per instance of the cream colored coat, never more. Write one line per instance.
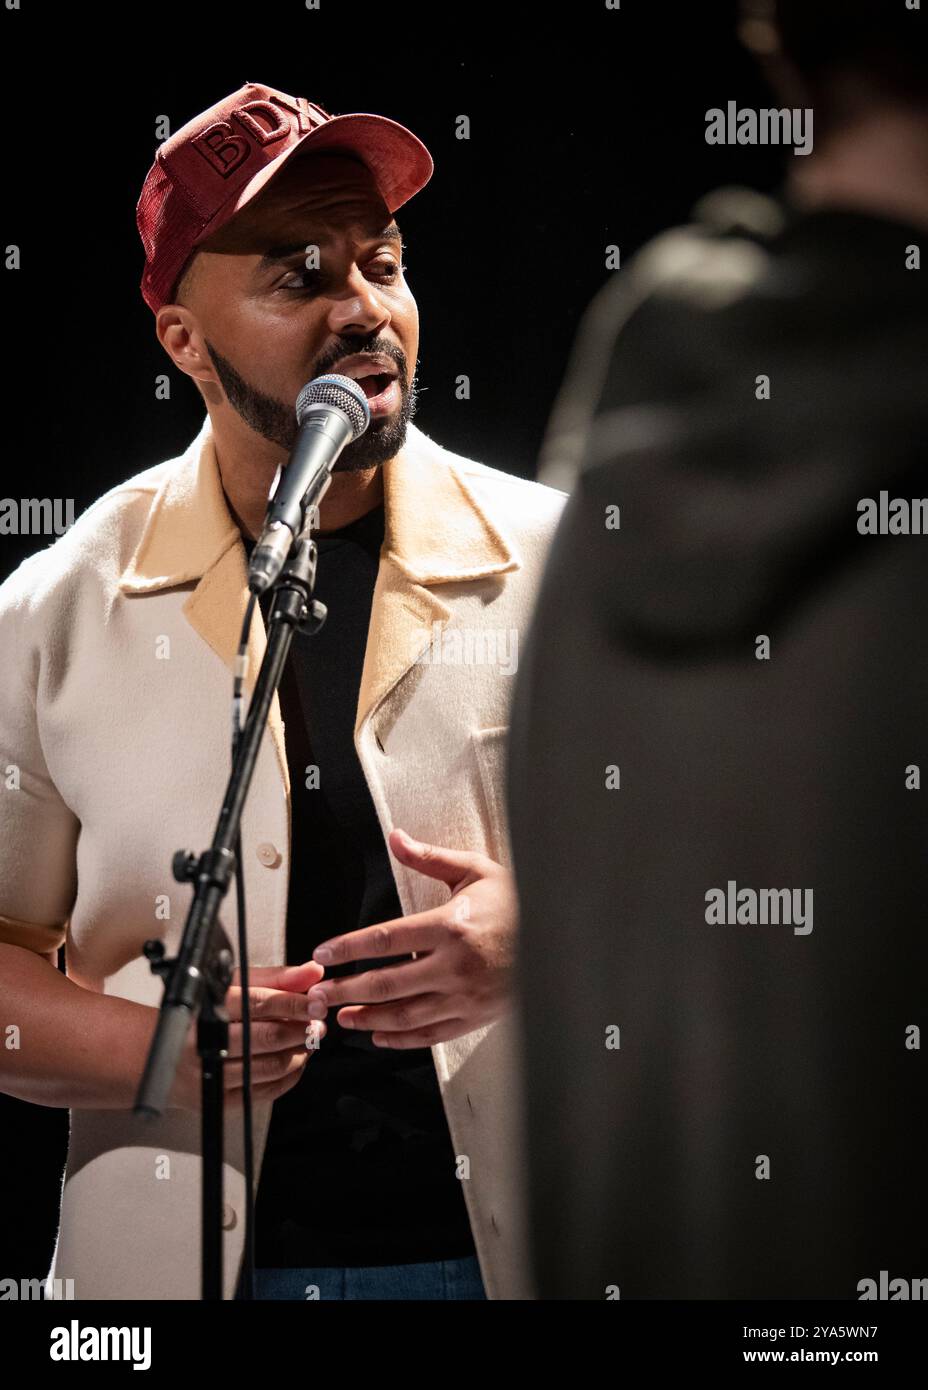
(117, 645)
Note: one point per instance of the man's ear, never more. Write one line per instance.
(179, 333)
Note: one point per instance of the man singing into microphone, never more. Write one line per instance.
(375, 847)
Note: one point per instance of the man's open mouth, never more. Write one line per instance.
(377, 377)
(375, 385)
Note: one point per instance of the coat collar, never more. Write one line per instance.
(437, 531)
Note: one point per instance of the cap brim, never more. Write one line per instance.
(399, 162)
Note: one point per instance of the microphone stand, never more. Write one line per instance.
(197, 978)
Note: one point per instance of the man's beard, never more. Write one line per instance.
(275, 420)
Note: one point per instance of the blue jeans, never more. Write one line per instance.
(434, 1279)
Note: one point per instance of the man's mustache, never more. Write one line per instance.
(370, 350)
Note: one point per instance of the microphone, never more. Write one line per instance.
(331, 411)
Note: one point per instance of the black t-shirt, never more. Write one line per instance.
(359, 1167)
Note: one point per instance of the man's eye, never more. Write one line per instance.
(303, 280)
(307, 280)
(392, 269)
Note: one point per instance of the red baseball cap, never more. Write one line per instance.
(209, 169)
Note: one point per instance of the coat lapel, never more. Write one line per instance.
(436, 532)
(190, 535)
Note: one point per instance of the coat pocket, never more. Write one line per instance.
(490, 752)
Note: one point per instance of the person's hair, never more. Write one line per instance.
(182, 288)
(847, 53)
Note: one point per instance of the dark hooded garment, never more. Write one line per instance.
(759, 1131)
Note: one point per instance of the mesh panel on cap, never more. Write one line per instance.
(167, 226)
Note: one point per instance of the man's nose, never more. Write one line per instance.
(360, 310)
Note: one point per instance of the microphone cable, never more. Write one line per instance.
(238, 685)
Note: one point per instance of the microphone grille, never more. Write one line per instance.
(339, 391)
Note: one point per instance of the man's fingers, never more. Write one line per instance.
(266, 1093)
(290, 977)
(272, 1035)
(267, 1066)
(424, 1037)
(268, 1003)
(404, 1016)
(380, 986)
(452, 866)
(421, 931)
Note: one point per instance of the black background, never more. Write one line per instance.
(587, 128)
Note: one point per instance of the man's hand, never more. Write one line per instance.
(283, 1037)
(465, 948)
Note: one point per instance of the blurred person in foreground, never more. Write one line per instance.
(722, 864)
